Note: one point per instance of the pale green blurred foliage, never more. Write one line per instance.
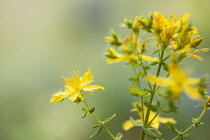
(42, 40)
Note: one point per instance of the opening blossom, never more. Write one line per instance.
(75, 85)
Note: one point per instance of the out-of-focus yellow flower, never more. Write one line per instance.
(179, 82)
(74, 85)
(155, 123)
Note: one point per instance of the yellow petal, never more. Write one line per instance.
(131, 57)
(127, 125)
(159, 80)
(200, 50)
(155, 124)
(193, 93)
(148, 58)
(92, 88)
(194, 30)
(165, 120)
(87, 78)
(192, 81)
(176, 89)
(59, 96)
(69, 89)
(73, 97)
(195, 56)
(111, 60)
(185, 17)
(176, 72)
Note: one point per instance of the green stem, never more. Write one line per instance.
(99, 121)
(153, 92)
(154, 87)
(193, 125)
(141, 98)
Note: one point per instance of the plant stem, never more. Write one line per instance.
(193, 125)
(99, 121)
(153, 92)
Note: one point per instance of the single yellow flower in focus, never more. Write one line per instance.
(74, 85)
(178, 82)
(155, 123)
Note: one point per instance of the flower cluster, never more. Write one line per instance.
(171, 40)
(174, 36)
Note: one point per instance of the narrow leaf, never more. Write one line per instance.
(153, 133)
(136, 123)
(173, 128)
(97, 125)
(185, 135)
(165, 67)
(119, 136)
(84, 109)
(110, 119)
(142, 74)
(92, 110)
(83, 116)
(98, 130)
(154, 63)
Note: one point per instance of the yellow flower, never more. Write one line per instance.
(74, 85)
(155, 123)
(178, 82)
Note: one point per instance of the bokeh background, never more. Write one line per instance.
(41, 40)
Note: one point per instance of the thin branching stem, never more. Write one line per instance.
(99, 121)
(194, 123)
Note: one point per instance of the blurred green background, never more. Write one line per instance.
(41, 40)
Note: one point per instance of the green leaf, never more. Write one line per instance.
(92, 110)
(97, 125)
(185, 135)
(110, 119)
(85, 109)
(142, 74)
(128, 23)
(138, 92)
(119, 136)
(83, 116)
(135, 82)
(173, 128)
(154, 63)
(161, 94)
(132, 78)
(165, 67)
(98, 130)
(136, 123)
(146, 67)
(153, 133)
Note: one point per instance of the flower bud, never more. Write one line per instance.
(128, 23)
(196, 41)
